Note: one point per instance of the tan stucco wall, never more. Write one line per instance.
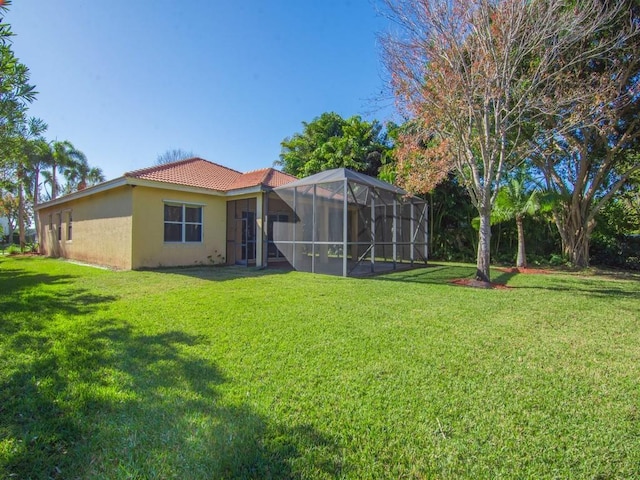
(149, 249)
(101, 229)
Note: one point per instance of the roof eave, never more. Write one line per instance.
(101, 187)
(246, 190)
(174, 186)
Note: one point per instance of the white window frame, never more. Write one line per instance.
(183, 223)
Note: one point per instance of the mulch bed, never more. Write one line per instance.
(472, 282)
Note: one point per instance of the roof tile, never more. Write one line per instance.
(268, 177)
(197, 172)
(193, 172)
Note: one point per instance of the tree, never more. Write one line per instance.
(474, 75)
(173, 155)
(15, 91)
(329, 141)
(64, 156)
(9, 209)
(17, 149)
(40, 157)
(450, 221)
(516, 200)
(80, 175)
(588, 163)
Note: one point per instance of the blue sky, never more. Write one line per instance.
(125, 81)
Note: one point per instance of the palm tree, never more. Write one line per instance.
(515, 200)
(47, 179)
(26, 134)
(80, 175)
(40, 156)
(94, 177)
(65, 155)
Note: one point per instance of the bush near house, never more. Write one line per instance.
(238, 373)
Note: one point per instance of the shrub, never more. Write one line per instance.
(620, 252)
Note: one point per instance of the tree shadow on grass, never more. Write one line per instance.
(221, 273)
(85, 395)
(580, 285)
(102, 400)
(439, 274)
(433, 274)
(30, 300)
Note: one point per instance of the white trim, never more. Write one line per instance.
(183, 223)
(244, 191)
(183, 202)
(102, 187)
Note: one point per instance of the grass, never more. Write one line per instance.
(236, 373)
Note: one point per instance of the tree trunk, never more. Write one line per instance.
(54, 190)
(484, 246)
(575, 236)
(21, 225)
(36, 192)
(521, 259)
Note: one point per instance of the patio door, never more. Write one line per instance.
(248, 238)
(241, 232)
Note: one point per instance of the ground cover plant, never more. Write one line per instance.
(238, 373)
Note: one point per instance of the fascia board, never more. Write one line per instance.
(102, 187)
(174, 186)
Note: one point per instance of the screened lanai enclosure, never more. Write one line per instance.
(346, 223)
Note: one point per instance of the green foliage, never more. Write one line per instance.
(618, 252)
(329, 141)
(515, 199)
(238, 373)
(452, 236)
(15, 91)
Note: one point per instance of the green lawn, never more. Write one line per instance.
(236, 373)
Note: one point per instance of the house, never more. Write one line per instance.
(188, 212)
(196, 212)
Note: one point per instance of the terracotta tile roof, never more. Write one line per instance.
(276, 178)
(193, 172)
(268, 177)
(197, 172)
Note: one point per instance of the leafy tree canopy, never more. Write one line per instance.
(330, 141)
(474, 75)
(15, 91)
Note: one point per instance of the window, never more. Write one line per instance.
(69, 226)
(182, 223)
(59, 219)
(51, 221)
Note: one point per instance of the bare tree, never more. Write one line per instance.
(475, 75)
(174, 155)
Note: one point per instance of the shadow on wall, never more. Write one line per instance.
(84, 397)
